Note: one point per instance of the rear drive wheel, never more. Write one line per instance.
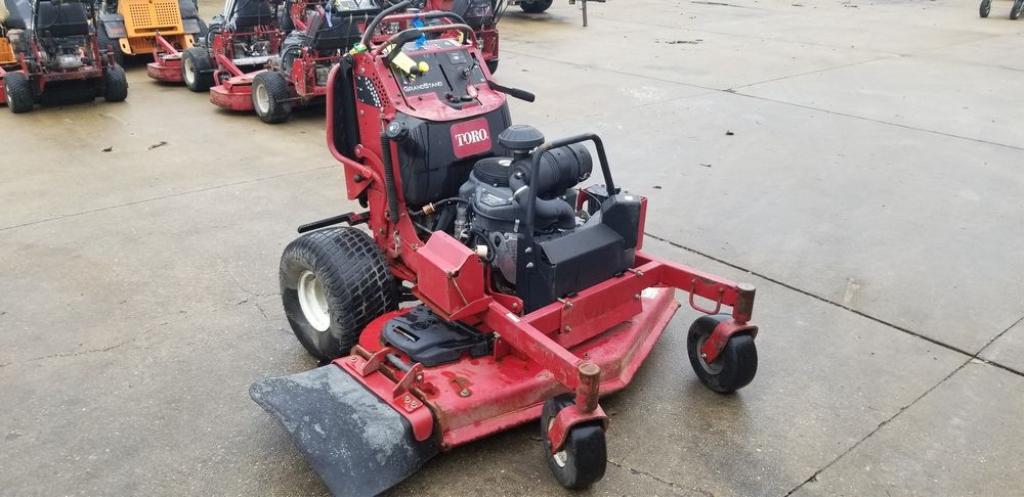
(333, 283)
(734, 367)
(985, 8)
(584, 455)
(197, 69)
(1015, 11)
(535, 6)
(115, 84)
(19, 92)
(270, 94)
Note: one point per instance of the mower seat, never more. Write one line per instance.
(252, 13)
(342, 34)
(62, 20)
(18, 14)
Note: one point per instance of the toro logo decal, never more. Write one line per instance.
(471, 137)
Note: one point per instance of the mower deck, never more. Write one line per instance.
(166, 65)
(478, 397)
(235, 94)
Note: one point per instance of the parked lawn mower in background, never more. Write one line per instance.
(539, 6)
(320, 32)
(1015, 9)
(59, 59)
(142, 27)
(532, 294)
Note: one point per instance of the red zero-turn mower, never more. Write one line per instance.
(535, 297)
(239, 45)
(59, 59)
(318, 38)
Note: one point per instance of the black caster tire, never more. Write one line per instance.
(1015, 11)
(19, 92)
(334, 281)
(197, 69)
(985, 8)
(270, 95)
(535, 6)
(115, 84)
(733, 369)
(492, 65)
(584, 456)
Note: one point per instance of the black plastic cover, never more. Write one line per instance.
(430, 171)
(358, 444)
(431, 341)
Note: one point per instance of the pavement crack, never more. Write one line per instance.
(659, 479)
(80, 353)
(162, 197)
(883, 322)
(901, 410)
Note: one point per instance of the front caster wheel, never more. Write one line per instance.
(734, 367)
(985, 8)
(1015, 11)
(584, 455)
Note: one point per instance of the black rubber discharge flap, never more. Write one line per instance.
(358, 444)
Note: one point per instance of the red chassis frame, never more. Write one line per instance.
(591, 343)
(44, 76)
(234, 91)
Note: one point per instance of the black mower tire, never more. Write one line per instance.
(19, 92)
(734, 368)
(115, 84)
(109, 44)
(535, 6)
(272, 86)
(197, 60)
(355, 283)
(1015, 11)
(984, 8)
(584, 455)
(492, 65)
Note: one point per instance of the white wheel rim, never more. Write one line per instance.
(561, 457)
(190, 76)
(262, 99)
(313, 301)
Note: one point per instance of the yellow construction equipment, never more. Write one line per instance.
(130, 27)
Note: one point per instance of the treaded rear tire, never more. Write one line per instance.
(202, 69)
(535, 6)
(277, 108)
(115, 84)
(19, 92)
(356, 281)
(984, 8)
(1016, 9)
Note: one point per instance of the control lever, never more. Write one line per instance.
(513, 92)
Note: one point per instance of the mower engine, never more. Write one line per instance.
(67, 57)
(579, 248)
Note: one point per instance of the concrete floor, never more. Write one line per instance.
(870, 189)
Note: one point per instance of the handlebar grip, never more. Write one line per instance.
(514, 92)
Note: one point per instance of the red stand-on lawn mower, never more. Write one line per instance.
(59, 59)
(240, 43)
(534, 296)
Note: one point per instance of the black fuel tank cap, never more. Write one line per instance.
(521, 137)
